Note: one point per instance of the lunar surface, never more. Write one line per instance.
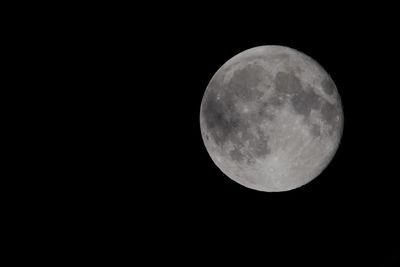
(271, 118)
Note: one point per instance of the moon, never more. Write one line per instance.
(271, 118)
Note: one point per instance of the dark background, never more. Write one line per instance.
(346, 215)
(138, 179)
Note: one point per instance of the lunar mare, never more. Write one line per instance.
(271, 118)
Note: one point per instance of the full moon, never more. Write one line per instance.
(271, 118)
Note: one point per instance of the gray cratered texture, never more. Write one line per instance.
(271, 118)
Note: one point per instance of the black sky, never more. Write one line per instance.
(162, 182)
(348, 213)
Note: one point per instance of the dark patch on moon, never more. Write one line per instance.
(220, 123)
(244, 82)
(276, 100)
(328, 85)
(287, 83)
(259, 144)
(303, 101)
(236, 155)
(316, 130)
(226, 123)
(289, 87)
(330, 112)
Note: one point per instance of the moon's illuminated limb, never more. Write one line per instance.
(271, 118)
